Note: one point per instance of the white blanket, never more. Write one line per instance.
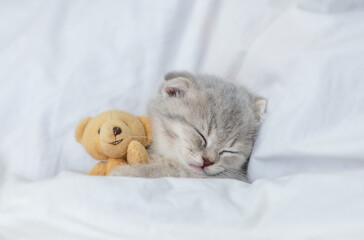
(61, 61)
(75, 206)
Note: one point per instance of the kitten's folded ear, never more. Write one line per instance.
(176, 74)
(176, 84)
(260, 105)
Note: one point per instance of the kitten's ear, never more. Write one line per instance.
(176, 74)
(260, 105)
(176, 84)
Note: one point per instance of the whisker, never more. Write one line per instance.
(228, 173)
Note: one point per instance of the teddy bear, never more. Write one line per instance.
(115, 138)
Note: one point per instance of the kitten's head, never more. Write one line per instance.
(207, 124)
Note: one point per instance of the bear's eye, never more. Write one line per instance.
(98, 131)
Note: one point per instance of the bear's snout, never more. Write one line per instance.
(115, 137)
(116, 131)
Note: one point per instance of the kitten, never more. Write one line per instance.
(202, 127)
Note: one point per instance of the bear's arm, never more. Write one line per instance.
(98, 170)
(136, 153)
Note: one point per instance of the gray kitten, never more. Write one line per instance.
(202, 127)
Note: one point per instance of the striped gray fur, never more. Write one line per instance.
(190, 109)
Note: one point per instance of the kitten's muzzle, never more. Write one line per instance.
(206, 162)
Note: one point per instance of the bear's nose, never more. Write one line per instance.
(116, 130)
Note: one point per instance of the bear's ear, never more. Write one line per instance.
(148, 129)
(81, 128)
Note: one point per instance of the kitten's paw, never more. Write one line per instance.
(126, 171)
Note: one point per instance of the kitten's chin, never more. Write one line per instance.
(213, 170)
(195, 168)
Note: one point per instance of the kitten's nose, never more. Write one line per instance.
(116, 130)
(206, 162)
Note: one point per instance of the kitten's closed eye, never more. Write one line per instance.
(204, 144)
(228, 151)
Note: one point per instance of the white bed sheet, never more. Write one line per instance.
(63, 60)
(77, 206)
(309, 65)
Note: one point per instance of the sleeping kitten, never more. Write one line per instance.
(202, 127)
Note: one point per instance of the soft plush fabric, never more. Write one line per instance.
(115, 138)
(63, 60)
